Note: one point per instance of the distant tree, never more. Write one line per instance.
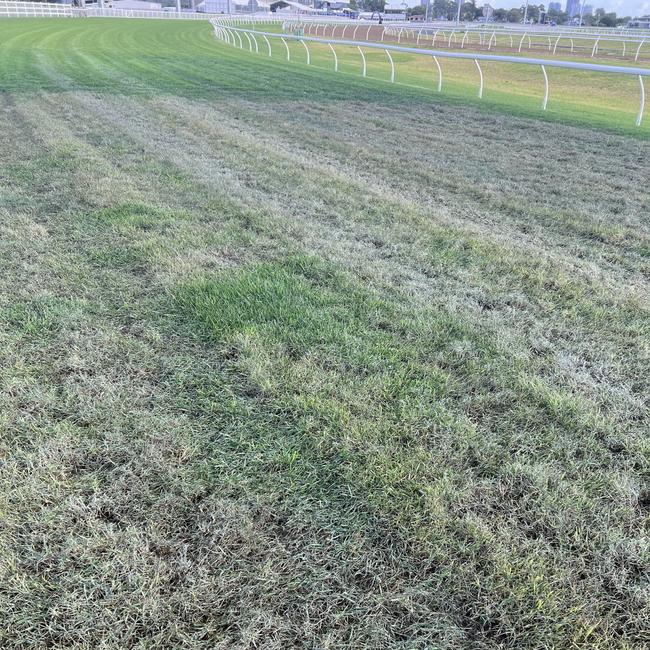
(603, 18)
(469, 11)
(372, 5)
(515, 16)
(444, 9)
(560, 17)
(533, 12)
(418, 10)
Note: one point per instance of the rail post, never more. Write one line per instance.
(306, 50)
(435, 60)
(336, 58)
(521, 42)
(480, 74)
(638, 50)
(363, 58)
(639, 119)
(595, 48)
(392, 67)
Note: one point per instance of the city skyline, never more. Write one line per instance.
(621, 7)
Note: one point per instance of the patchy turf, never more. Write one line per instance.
(285, 363)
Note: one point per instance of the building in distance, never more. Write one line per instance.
(573, 8)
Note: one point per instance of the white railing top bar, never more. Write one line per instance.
(542, 29)
(452, 27)
(500, 58)
(619, 38)
(486, 27)
(225, 30)
(628, 36)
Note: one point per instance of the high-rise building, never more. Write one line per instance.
(573, 8)
(555, 6)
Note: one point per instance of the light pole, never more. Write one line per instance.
(582, 12)
(458, 14)
(526, 13)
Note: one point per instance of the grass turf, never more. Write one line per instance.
(285, 363)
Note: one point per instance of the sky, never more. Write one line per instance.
(621, 7)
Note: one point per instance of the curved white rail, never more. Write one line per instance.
(543, 63)
(336, 58)
(306, 50)
(392, 67)
(435, 59)
(545, 101)
(480, 74)
(363, 57)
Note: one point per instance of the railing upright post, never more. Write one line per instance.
(306, 50)
(639, 119)
(435, 60)
(363, 58)
(336, 58)
(285, 45)
(638, 49)
(268, 43)
(392, 67)
(480, 73)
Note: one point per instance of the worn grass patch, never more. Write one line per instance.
(377, 392)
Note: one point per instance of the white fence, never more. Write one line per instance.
(34, 10)
(627, 46)
(10, 9)
(97, 12)
(226, 30)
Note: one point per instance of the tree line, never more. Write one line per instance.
(469, 12)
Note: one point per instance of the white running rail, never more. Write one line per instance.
(11, 9)
(224, 26)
